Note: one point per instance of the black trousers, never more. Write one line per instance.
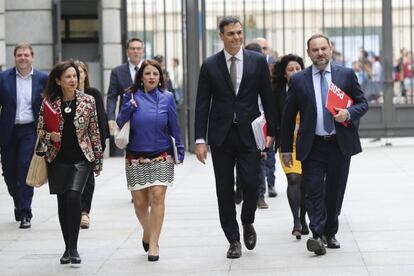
(248, 161)
(325, 173)
(87, 194)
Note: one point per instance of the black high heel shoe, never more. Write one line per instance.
(153, 258)
(305, 229)
(145, 246)
(65, 259)
(74, 257)
(297, 234)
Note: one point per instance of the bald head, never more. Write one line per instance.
(263, 44)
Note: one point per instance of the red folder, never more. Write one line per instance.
(337, 98)
(51, 118)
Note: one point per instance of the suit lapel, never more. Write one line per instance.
(13, 90)
(224, 70)
(80, 106)
(34, 83)
(128, 73)
(56, 106)
(246, 59)
(309, 85)
(334, 75)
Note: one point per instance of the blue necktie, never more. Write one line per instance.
(328, 123)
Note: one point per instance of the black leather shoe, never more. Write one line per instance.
(238, 196)
(249, 236)
(65, 259)
(74, 257)
(25, 223)
(316, 246)
(234, 251)
(297, 234)
(153, 258)
(145, 246)
(331, 242)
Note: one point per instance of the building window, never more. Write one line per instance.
(79, 29)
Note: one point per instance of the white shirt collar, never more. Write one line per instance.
(132, 66)
(239, 55)
(315, 70)
(24, 77)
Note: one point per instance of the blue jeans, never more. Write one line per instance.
(267, 172)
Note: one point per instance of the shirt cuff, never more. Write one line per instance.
(200, 141)
(349, 115)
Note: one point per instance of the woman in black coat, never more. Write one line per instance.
(104, 131)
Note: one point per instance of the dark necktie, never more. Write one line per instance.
(233, 73)
(136, 69)
(328, 123)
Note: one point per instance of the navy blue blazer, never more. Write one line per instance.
(301, 98)
(120, 80)
(8, 100)
(216, 102)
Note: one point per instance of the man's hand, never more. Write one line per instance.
(112, 126)
(269, 141)
(201, 152)
(287, 160)
(342, 115)
(55, 137)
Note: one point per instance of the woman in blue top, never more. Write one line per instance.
(150, 158)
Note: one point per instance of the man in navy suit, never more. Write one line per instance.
(229, 84)
(20, 100)
(324, 145)
(123, 77)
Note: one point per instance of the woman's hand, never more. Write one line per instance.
(55, 137)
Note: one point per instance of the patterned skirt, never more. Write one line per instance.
(143, 172)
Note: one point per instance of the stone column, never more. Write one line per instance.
(29, 21)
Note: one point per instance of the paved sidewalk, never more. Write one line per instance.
(376, 227)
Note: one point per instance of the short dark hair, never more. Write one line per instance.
(315, 36)
(138, 77)
(254, 47)
(132, 40)
(23, 46)
(52, 89)
(227, 20)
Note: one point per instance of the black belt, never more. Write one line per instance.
(326, 137)
(24, 125)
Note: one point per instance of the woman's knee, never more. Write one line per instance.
(157, 196)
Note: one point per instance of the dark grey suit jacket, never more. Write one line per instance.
(120, 80)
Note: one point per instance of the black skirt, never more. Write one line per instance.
(64, 177)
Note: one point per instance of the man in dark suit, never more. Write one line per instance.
(324, 145)
(122, 77)
(230, 82)
(20, 100)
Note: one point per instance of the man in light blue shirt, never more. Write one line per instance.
(20, 100)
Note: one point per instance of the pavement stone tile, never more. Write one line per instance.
(376, 226)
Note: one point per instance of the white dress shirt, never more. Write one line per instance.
(316, 77)
(239, 65)
(24, 113)
(132, 69)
